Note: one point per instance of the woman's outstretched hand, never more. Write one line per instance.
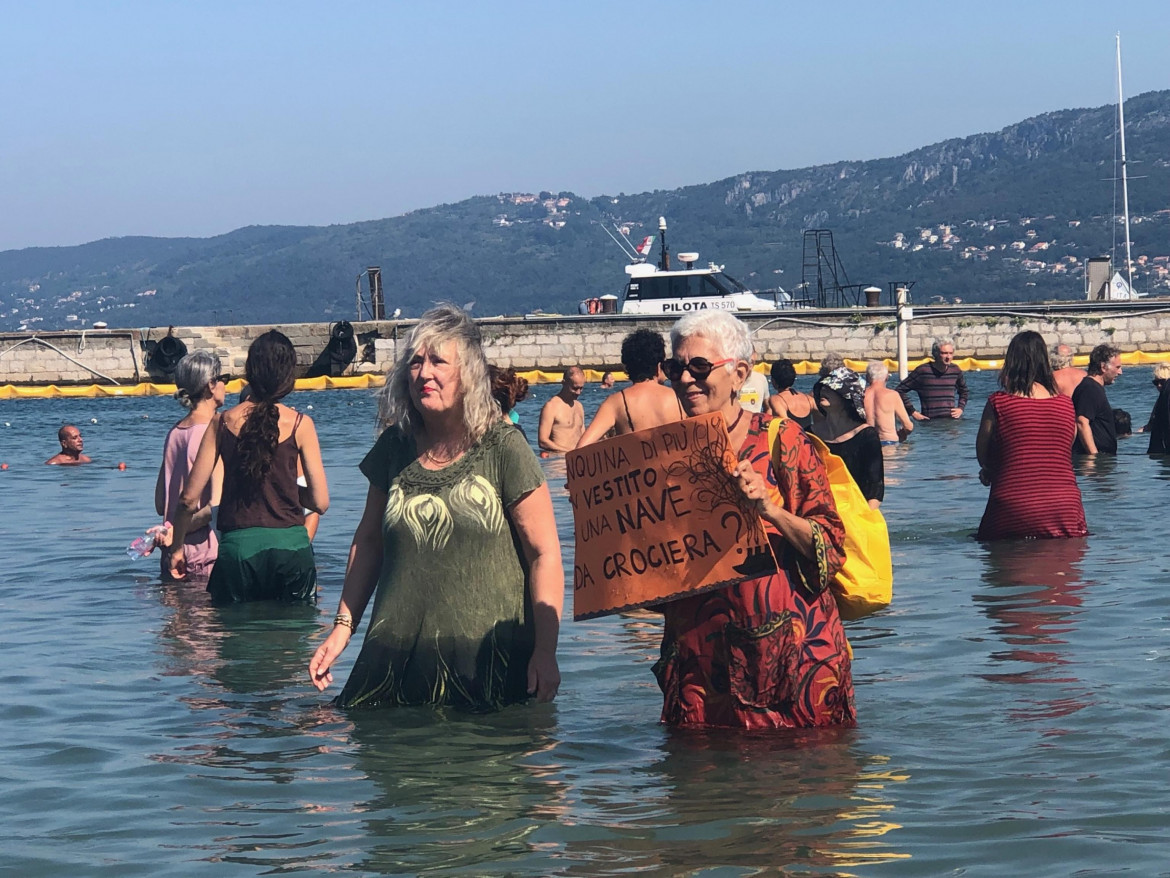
(326, 654)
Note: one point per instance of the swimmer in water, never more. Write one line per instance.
(72, 445)
(562, 420)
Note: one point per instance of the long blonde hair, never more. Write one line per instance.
(441, 324)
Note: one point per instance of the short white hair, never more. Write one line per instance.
(727, 333)
(877, 372)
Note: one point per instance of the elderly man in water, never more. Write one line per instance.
(72, 446)
(884, 408)
(941, 387)
(1067, 376)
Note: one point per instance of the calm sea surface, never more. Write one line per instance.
(1012, 701)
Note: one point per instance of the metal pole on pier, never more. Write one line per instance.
(1124, 183)
(905, 315)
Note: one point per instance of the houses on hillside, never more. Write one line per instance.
(1034, 249)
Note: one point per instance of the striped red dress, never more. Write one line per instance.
(1034, 491)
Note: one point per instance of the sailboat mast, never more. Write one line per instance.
(1124, 181)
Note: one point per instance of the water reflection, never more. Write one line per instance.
(759, 802)
(556, 474)
(1161, 469)
(258, 647)
(1034, 601)
(1097, 472)
(641, 634)
(458, 791)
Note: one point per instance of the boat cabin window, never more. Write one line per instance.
(684, 286)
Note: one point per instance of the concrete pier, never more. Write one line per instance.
(122, 356)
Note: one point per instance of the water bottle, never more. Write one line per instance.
(144, 545)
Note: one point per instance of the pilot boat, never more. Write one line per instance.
(659, 289)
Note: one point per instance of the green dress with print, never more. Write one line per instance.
(452, 618)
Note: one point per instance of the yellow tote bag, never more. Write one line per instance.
(865, 582)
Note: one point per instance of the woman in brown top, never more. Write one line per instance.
(264, 551)
(648, 403)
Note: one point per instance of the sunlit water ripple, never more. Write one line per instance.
(1012, 701)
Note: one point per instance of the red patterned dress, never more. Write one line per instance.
(1034, 490)
(770, 652)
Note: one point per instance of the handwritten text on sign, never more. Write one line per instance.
(657, 515)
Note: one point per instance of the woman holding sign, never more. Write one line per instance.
(768, 652)
(457, 537)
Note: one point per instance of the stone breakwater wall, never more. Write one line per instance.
(103, 356)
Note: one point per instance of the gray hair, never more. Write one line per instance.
(1060, 356)
(830, 362)
(729, 335)
(193, 374)
(877, 372)
(940, 343)
(442, 324)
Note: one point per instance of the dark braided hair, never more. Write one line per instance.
(271, 371)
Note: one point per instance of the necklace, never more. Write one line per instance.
(430, 455)
(440, 461)
(735, 423)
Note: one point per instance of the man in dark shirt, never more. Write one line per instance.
(1095, 431)
(941, 387)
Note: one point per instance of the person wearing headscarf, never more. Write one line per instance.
(841, 401)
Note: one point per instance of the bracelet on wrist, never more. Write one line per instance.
(344, 620)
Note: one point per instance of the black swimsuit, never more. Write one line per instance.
(805, 421)
(630, 417)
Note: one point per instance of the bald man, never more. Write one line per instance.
(71, 448)
(562, 420)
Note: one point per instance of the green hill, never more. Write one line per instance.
(1013, 215)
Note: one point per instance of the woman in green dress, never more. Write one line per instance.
(457, 543)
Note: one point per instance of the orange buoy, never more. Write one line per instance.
(121, 466)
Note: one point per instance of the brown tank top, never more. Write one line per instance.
(275, 502)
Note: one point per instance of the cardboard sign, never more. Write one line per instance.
(657, 515)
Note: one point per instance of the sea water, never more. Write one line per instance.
(1012, 702)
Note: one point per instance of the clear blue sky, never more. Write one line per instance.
(168, 118)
